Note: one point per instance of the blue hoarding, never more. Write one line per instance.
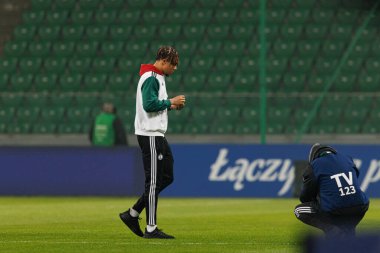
(256, 170)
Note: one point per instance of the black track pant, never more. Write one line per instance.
(339, 223)
(158, 165)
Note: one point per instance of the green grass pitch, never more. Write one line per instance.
(60, 224)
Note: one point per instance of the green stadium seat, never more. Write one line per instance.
(137, 3)
(344, 83)
(275, 128)
(106, 17)
(56, 17)
(353, 128)
(322, 16)
(277, 64)
(362, 101)
(294, 82)
(308, 48)
(244, 82)
(281, 4)
(194, 81)
(7, 114)
(228, 114)
(332, 49)
(274, 16)
(87, 100)
(361, 50)
(96, 32)
(234, 48)
(175, 127)
(210, 48)
(12, 100)
(120, 32)
(246, 128)
(251, 114)
(130, 64)
(341, 32)
(370, 128)
(226, 64)
(69, 128)
(119, 82)
(113, 4)
(249, 16)
(346, 16)
(372, 65)
(44, 128)
(30, 64)
(218, 82)
(200, 16)
(242, 32)
(24, 32)
(87, 48)
(368, 35)
(18, 128)
(225, 15)
(368, 83)
(88, 4)
(322, 129)
(95, 82)
(78, 114)
(33, 17)
(65, 4)
(145, 32)
(291, 32)
(316, 83)
(278, 115)
(329, 115)
(194, 32)
(316, 32)
(221, 127)
(8, 64)
(326, 66)
(70, 82)
(39, 49)
(186, 48)
(79, 64)
(156, 14)
(63, 49)
(129, 16)
(55, 64)
(338, 101)
(4, 81)
(73, 32)
(21, 82)
(298, 16)
(352, 65)
(46, 82)
(112, 48)
(249, 64)
(27, 114)
(80, 17)
(301, 64)
(169, 31)
(103, 64)
(136, 48)
(202, 64)
(62, 100)
(48, 32)
(41, 4)
(196, 128)
(284, 48)
(15, 48)
(217, 31)
(185, 4)
(177, 16)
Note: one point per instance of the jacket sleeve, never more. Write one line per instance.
(310, 186)
(120, 136)
(150, 96)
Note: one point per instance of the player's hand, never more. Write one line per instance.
(178, 100)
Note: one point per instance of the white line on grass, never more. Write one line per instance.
(136, 243)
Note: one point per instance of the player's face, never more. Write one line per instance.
(168, 68)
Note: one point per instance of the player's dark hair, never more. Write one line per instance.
(169, 54)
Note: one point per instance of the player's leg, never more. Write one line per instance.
(155, 186)
(168, 162)
(310, 214)
(131, 216)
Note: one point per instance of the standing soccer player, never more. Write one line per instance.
(331, 196)
(152, 105)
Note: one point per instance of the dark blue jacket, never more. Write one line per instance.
(333, 181)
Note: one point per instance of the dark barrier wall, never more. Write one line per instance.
(200, 170)
(70, 171)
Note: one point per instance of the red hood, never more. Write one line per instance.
(149, 67)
